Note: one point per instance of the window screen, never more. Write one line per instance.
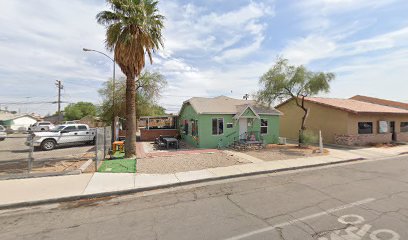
(404, 126)
(264, 126)
(186, 127)
(365, 128)
(217, 126)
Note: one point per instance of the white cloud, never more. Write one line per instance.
(326, 46)
(305, 50)
(379, 76)
(317, 13)
(39, 46)
(191, 28)
(240, 52)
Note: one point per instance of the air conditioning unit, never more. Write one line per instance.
(282, 141)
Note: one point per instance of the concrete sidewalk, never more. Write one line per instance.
(22, 192)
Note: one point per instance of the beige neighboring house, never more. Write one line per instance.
(359, 120)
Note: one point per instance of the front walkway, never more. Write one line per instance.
(52, 189)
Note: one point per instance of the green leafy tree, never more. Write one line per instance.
(133, 30)
(284, 81)
(148, 88)
(76, 111)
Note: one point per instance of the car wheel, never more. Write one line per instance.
(2, 139)
(42, 129)
(48, 145)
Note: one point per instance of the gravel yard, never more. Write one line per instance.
(282, 152)
(186, 162)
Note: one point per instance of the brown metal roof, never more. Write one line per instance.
(355, 106)
(380, 101)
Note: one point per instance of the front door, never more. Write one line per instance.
(392, 130)
(243, 128)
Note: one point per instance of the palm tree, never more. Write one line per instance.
(133, 28)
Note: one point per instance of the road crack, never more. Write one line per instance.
(246, 211)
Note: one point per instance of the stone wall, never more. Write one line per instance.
(345, 139)
(152, 134)
(402, 137)
(363, 139)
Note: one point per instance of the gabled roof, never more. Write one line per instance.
(380, 101)
(227, 105)
(243, 109)
(353, 106)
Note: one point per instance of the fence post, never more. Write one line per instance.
(30, 153)
(96, 149)
(104, 142)
(320, 142)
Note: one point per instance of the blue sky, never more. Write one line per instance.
(212, 48)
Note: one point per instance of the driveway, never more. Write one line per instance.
(14, 153)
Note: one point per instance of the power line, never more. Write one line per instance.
(29, 103)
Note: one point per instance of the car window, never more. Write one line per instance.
(2, 128)
(82, 127)
(59, 128)
(43, 124)
(70, 128)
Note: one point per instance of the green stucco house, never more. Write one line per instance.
(221, 121)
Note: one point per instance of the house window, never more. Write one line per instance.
(194, 128)
(217, 126)
(230, 125)
(186, 127)
(404, 127)
(264, 126)
(365, 128)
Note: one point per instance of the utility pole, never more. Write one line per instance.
(59, 85)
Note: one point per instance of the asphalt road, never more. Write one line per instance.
(14, 149)
(368, 200)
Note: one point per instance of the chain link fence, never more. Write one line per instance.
(56, 151)
(103, 144)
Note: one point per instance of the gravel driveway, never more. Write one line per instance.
(186, 162)
(14, 156)
(277, 152)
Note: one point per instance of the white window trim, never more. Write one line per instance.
(223, 126)
(267, 127)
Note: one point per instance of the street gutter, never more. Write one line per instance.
(163, 186)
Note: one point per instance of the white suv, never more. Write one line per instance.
(41, 126)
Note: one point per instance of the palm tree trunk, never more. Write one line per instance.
(130, 145)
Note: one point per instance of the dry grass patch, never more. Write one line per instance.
(274, 152)
(186, 162)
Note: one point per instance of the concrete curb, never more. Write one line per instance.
(85, 165)
(163, 186)
(39, 175)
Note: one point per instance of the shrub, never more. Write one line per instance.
(309, 137)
